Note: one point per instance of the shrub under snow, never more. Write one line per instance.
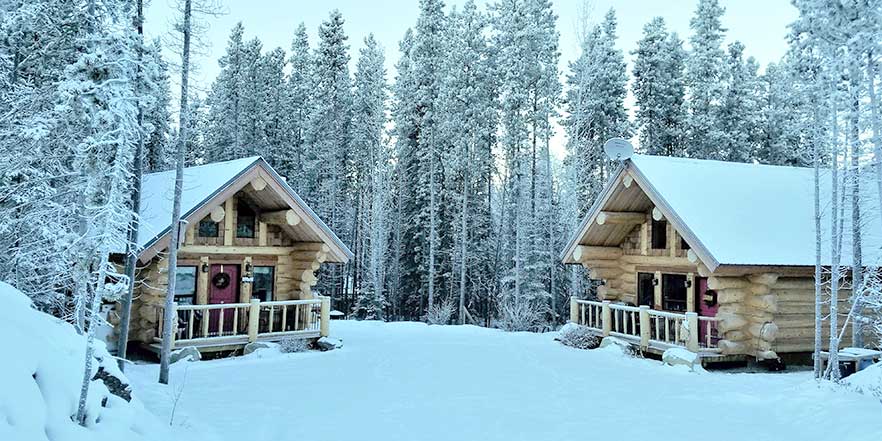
(577, 336)
(289, 345)
(40, 379)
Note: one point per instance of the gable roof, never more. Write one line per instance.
(209, 185)
(736, 213)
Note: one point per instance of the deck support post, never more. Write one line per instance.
(574, 310)
(606, 318)
(644, 326)
(325, 316)
(253, 320)
(692, 324)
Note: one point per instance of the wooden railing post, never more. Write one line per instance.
(644, 326)
(606, 318)
(253, 320)
(692, 325)
(326, 316)
(574, 310)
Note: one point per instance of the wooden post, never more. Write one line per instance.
(574, 310)
(261, 234)
(690, 293)
(644, 326)
(657, 295)
(692, 324)
(228, 222)
(326, 316)
(606, 318)
(644, 238)
(253, 320)
(202, 281)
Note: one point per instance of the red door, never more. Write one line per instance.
(223, 288)
(707, 307)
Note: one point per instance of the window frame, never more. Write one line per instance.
(191, 296)
(252, 224)
(658, 234)
(272, 281)
(207, 221)
(666, 289)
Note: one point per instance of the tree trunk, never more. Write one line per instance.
(168, 318)
(132, 245)
(833, 362)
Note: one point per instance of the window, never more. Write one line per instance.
(646, 289)
(208, 228)
(683, 244)
(245, 219)
(185, 285)
(674, 292)
(263, 283)
(659, 234)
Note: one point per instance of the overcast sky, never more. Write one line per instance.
(760, 24)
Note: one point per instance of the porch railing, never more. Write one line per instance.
(646, 326)
(237, 323)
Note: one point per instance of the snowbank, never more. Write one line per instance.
(40, 379)
(867, 381)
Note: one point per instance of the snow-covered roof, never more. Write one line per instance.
(204, 183)
(744, 214)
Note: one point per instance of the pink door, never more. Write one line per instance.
(223, 288)
(707, 307)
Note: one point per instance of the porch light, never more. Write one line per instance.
(688, 283)
(248, 268)
(654, 281)
(204, 267)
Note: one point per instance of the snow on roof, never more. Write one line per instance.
(200, 183)
(751, 214)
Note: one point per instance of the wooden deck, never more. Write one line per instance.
(650, 330)
(231, 326)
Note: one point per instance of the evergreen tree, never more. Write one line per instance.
(297, 93)
(226, 120)
(371, 170)
(780, 132)
(704, 79)
(595, 101)
(658, 88)
(328, 137)
(739, 111)
(157, 148)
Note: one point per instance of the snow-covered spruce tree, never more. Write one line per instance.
(327, 144)
(38, 39)
(271, 105)
(595, 103)
(298, 88)
(158, 147)
(372, 174)
(739, 110)
(225, 124)
(99, 89)
(526, 43)
(704, 80)
(468, 124)
(659, 90)
(780, 130)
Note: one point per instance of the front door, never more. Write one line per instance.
(223, 288)
(707, 307)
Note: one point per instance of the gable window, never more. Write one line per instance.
(659, 234)
(208, 228)
(263, 283)
(245, 220)
(674, 292)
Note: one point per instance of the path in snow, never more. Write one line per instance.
(409, 381)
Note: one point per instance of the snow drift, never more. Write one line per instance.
(40, 379)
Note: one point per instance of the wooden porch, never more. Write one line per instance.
(651, 330)
(233, 325)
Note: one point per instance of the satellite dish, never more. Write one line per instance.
(618, 149)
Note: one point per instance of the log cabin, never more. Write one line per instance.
(716, 257)
(250, 252)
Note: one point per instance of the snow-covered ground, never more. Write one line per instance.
(410, 381)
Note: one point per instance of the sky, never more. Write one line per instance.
(760, 24)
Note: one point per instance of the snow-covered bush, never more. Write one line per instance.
(518, 315)
(577, 336)
(293, 344)
(440, 313)
(867, 381)
(40, 379)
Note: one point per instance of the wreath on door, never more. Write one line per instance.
(221, 280)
